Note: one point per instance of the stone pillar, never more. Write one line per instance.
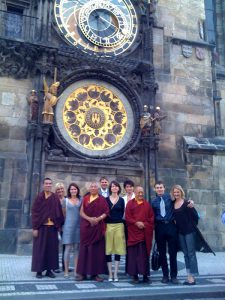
(32, 132)
(222, 14)
(39, 21)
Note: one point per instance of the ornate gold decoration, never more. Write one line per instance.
(50, 99)
(95, 117)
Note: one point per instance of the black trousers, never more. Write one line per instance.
(166, 237)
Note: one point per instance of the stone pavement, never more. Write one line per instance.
(17, 282)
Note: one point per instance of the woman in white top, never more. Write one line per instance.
(129, 188)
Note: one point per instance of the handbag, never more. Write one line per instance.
(155, 263)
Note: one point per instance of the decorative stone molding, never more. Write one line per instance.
(16, 58)
(220, 72)
(214, 145)
(20, 60)
(124, 87)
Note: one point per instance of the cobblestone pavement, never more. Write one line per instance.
(16, 280)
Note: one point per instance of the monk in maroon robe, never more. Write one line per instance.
(139, 218)
(91, 259)
(47, 219)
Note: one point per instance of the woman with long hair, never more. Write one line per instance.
(71, 229)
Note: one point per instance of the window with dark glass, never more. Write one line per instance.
(14, 22)
(210, 21)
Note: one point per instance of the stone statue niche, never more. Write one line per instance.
(32, 100)
(157, 118)
(146, 121)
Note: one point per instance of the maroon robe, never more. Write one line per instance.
(91, 260)
(139, 240)
(45, 245)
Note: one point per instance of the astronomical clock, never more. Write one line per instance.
(96, 119)
(94, 116)
(100, 27)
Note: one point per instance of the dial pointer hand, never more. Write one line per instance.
(103, 19)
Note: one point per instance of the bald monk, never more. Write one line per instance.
(91, 259)
(139, 218)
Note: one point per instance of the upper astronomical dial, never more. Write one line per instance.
(103, 23)
(105, 27)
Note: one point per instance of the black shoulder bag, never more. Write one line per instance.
(155, 263)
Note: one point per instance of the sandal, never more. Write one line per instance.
(80, 278)
(189, 283)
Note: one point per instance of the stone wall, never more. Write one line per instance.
(13, 160)
(85, 173)
(185, 84)
(185, 94)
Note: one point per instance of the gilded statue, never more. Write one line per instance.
(146, 121)
(32, 100)
(157, 121)
(50, 100)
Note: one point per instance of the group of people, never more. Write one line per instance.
(103, 224)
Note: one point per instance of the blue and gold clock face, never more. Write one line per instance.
(101, 27)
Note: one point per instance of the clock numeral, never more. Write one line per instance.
(106, 41)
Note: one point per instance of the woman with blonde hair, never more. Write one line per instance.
(60, 191)
(186, 219)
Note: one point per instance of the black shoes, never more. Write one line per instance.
(174, 280)
(165, 279)
(57, 271)
(135, 279)
(39, 275)
(146, 279)
(189, 283)
(50, 274)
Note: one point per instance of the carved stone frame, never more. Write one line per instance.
(121, 84)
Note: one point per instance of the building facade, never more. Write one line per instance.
(75, 77)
